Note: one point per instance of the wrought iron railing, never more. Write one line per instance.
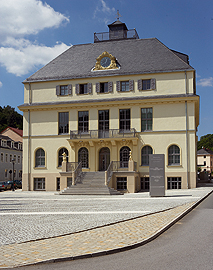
(123, 34)
(99, 134)
(77, 174)
(71, 166)
(115, 166)
(76, 169)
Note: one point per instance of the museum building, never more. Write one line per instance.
(100, 109)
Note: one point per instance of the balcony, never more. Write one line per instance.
(100, 134)
(117, 35)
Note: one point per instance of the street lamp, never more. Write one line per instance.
(13, 162)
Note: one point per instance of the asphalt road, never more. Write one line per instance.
(186, 245)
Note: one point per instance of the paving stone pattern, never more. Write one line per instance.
(67, 213)
(106, 238)
(28, 216)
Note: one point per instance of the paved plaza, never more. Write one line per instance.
(42, 226)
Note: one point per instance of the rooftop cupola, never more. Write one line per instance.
(117, 31)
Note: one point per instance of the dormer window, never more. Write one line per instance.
(3, 143)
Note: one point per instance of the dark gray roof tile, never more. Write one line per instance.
(135, 56)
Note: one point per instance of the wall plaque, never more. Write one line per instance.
(157, 175)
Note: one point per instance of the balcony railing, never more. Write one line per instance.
(116, 35)
(100, 134)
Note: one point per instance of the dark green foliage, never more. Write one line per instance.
(9, 117)
(205, 141)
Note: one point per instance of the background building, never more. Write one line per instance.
(9, 150)
(205, 160)
(97, 102)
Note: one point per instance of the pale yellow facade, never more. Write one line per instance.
(175, 120)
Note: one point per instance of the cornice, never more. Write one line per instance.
(110, 102)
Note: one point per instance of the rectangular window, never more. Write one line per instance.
(204, 163)
(6, 157)
(11, 157)
(173, 182)
(103, 124)
(124, 86)
(20, 174)
(39, 183)
(63, 122)
(146, 84)
(145, 183)
(124, 119)
(104, 87)
(3, 143)
(64, 90)
(121, 183)
(19, 159)
(58, 183)
(2, 157)
(146, 119)
(83, 89)
(83, 122)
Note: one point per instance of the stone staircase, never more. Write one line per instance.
(92, 183)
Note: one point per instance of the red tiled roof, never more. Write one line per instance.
(16, 130)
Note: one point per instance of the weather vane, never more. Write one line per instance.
(118, 15)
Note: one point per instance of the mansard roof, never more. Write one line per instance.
(134, 56)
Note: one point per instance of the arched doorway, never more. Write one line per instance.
(124, 156)
(104, 158)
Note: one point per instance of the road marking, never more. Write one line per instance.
(74, 213)
(102, 199)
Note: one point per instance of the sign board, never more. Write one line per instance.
(157, 175)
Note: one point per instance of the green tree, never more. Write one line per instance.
(205, 141)
(9, 117)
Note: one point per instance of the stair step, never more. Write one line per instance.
(92, 183)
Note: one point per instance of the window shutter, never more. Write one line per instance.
(69, 89)
(110, 86)
(77, 89)
(58, 90)
(97, 87)
(89, 87)
(131, 85)
(153, 84)
(118, 86)
(139, 84)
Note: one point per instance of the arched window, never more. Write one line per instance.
(83, 156)
(174, 155)
(146, 150)
(60, 156)
(40, 158)
(124, 156)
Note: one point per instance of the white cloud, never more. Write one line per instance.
(101, 9)
(206, 82)
(22, 18)
(1, 84)
(24, 59)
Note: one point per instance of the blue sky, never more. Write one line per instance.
(33, 32)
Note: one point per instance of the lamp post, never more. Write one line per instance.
(13, 162)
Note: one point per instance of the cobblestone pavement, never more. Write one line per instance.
(28, 216)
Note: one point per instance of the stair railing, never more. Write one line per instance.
(77, 174)
(109, 173)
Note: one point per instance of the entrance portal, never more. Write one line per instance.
(104, 159)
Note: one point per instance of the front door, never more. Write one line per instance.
(104, 159)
